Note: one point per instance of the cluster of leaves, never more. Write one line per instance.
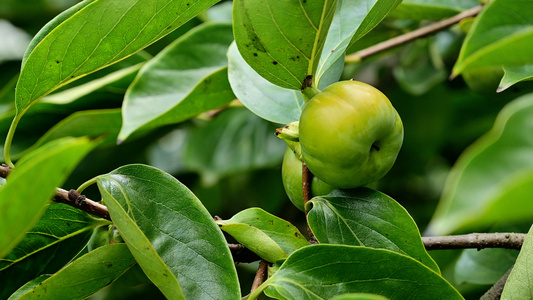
(88, 84)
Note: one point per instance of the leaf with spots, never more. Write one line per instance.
(93, 35)
(99, 268)
(365, 217)
(282, 40)
(268, 236)
(170, 233)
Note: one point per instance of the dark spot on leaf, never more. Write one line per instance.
(57, 61)
(375, 147)
(187, 4)
(270, 222)
(165, 274)
(255, 54)
(68, 224)
(71, 76)
(275, 62)
(109, 265)
(296, 234)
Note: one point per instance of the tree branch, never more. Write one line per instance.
(495, 292)
(307, 178)
(475, 240)
(260, 275)
(410, 36)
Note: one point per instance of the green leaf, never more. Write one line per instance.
(431, 9)
(43, 170)
(86, 275)
(325, 271)
(484, 266)
(186, 78)
(103, 123)
(502, 34)
(268, 236)
(352, 20)
(58, 236)
(364, 217)
(359, 296)
(492, 180)
(170, 233)
(235, 141)
(514, 75)
(28, 287)
(519, 283)
(96, 35)
(282, 41)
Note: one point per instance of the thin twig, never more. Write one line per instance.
(307, 177)
(260, 275)
(475, 240)
(413, 35)
(242, 254)
(495, 292)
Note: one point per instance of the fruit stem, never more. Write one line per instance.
(309, 92)
(9, 139)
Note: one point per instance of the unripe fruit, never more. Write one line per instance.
(291, 173)
(350, 134)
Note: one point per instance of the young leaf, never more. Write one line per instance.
(86, 275)
(170, 233)
(364, 217)
(514, 75)
(235, 141)
(102, 32)
(502, 34)
(282, 41)
(519, 284)
(266, 235)
(58, 236)
(324, 271)
(353, 19)
(43, 170)
(180, 81)
(493, 178)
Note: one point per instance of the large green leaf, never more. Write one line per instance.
(431, 9)
(186, 78)
(502, 34)
(484, 266)
(170, 233)
(364, 217)
(282, 40)
(325, 271)
(94, 35)
(519, 285)
(43, 170)
(514, 75)
(493, 179)
(235, 141)
(48, 246)
(266, 235)
(86, 275)
(353, 19)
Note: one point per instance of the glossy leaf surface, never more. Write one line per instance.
(43, 169)
(186, 78)
(514, 75)
(493, 178)
(170, 233)
(324, 271)
(282, 41)
(519, 283)
(266, 235)
(364, 217)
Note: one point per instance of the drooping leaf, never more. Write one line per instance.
(266, 235)
(102, 32)
(186, 78)
(324, 271)
(86, 275)
(170, 233)
(353, 19)
(43, 170)
(484, 266)
(364, 217)
(514, 75)
(47, 247)
(282, 41)
(519, 283)
(502, 34)
(431, 9)
(235, 141)
(493, 178)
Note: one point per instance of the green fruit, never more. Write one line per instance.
(291, 173)
(350, 134)
(100, 237)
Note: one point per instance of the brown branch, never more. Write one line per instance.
(81, 202)
(475, 240)
(4, 170)
(260, 275)
(307, 177)
(495, 292)
(242, 254)
(413, 35)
